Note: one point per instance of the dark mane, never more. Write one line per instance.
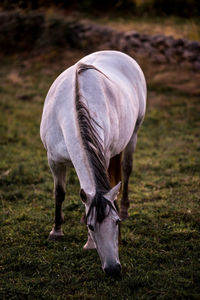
(91, 139)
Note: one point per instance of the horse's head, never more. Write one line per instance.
(103, 224)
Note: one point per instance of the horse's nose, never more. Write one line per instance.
(113, 270)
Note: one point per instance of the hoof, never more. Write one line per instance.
(56, 235)
(89, 245)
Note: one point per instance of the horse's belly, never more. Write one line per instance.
(120, 143)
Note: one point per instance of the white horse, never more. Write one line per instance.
(91, 116)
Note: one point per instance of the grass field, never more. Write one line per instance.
(160, 240)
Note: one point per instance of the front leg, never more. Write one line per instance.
(57, 233)
(90, 243)
(127, 169)
(59, 173)
(125, 203)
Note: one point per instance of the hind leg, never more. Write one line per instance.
(127, 169)
(59, 174)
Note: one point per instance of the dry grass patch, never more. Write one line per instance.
(178, 28)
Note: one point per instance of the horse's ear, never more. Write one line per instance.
(112, 194)
(83, 195)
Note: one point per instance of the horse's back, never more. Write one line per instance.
(124, 96)
(110, 61)
(116, 95)
(125, 72)
(119, 67)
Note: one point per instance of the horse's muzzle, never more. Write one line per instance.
(114, 270)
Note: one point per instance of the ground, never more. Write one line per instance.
(160, 240)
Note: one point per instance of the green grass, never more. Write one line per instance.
(160, 250)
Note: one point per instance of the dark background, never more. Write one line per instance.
(183, 8)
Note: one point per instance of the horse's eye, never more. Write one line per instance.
(91, 227)
(118, 221)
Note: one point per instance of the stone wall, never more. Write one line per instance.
(22, 32)
(159, 49)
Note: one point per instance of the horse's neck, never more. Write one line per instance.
(83, 170)
(89, 129)
(77, 153)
